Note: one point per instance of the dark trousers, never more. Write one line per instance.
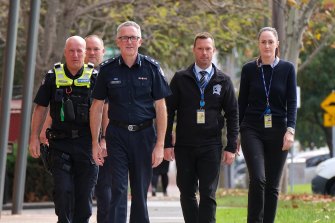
(160, 171)
(262, 150)
(103, 194)
(74, 174)
(164, 180)
(198, 168)
(130, 152)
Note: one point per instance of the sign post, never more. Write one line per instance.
(328, 104)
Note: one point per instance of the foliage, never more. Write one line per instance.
(168, 26)
(319, 72)
(319, 33)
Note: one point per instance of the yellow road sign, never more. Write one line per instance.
(328, 120)
(329, 103)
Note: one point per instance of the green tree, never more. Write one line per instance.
(320, 72)
(168, 26)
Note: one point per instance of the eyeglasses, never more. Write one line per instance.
(127, 38)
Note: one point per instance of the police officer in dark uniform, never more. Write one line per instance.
(136, 88)
(103, 190)
(201, 94)
(67, 89)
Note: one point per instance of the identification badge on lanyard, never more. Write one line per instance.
(200, 116)
(267, 117)
(268, 121)
(267, 113)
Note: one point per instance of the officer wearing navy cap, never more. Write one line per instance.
(136, 88)
(67, 89)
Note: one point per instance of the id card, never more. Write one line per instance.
(200, 116)
(268, 121)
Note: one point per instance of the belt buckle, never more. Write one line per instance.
(131, 128)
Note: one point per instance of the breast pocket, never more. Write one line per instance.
(142, 87)
(117, 89)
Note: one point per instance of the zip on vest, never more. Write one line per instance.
(83, 81)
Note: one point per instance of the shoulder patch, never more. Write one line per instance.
(43, 81)
(162, 72)
(108, 61)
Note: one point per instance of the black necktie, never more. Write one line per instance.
(203, 78)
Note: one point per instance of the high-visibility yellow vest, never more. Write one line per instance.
(83, 81)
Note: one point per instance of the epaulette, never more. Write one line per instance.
(57, 65)
(108, 61)
(151, 60)
(90, 65)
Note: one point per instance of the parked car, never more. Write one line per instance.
(324, 181)
(316, 160)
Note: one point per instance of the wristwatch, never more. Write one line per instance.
(102, 137)
(291, 130)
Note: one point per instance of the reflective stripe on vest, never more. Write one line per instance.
(83, 81)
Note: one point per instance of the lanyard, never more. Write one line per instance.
(202, 90)
(267, 90)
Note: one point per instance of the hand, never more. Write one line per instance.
(103, 147)
(228, 157)
(157, 155)
(169, 154)
(43, 138)
(34, 147)
(288, 141)
(97, 154)
(238, 147)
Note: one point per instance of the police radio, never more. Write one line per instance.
(68, 110)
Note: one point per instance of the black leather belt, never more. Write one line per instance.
(132, 128)
(72, 134)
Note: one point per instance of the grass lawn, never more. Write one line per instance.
(300, 206)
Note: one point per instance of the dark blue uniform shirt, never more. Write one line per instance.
(131, 91)
(48, 93)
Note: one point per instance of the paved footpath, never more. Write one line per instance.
(161, 209)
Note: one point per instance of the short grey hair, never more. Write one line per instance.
(129, 23)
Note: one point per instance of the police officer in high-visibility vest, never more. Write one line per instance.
(67, 89)
(136, 88)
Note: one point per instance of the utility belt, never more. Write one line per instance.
(53, 134)
(132, 128)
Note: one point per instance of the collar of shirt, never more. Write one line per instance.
(275, 62)
(138, 60)
(68, 73)
(208, 69)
